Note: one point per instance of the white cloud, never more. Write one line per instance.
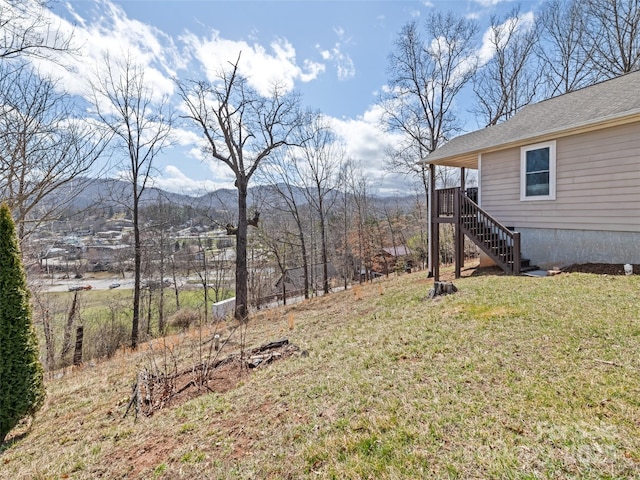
(110, 33)
(490, 3)
(174, 180)
(313, 69)
(486, 51)
(185, 137)
(344, 65)
(263, 68)
(366, 142)
(218, 170)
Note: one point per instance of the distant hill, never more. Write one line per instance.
(111, 193)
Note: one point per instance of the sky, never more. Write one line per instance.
(334, 53)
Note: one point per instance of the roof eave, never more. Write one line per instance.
(467, 160)
(470, 159)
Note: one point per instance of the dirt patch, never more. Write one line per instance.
(599, 268)
(154, 391)
(150, 454)
(596, 268)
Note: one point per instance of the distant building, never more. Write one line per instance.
(389, 259)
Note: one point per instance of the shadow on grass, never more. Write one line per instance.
(22, 430)
(7, 444)
(483, 272)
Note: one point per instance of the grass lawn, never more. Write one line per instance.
(511, 377)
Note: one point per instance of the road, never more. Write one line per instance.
(63, 285)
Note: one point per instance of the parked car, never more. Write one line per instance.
(74, 288)
(114, 285)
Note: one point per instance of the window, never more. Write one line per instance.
(538, 172)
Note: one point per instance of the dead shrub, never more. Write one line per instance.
(107, 339)
(184, 318)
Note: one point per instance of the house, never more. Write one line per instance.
(386, 260)
(558, 183)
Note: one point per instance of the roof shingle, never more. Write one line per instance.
(597, 104)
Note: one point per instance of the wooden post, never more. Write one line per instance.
(458, 233)
(463, 189)
(434, 232)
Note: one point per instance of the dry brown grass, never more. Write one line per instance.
(508, 378)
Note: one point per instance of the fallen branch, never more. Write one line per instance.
(607, 362)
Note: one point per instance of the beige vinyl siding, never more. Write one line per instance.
(597, 184)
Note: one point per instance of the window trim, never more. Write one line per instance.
(552, 171)
(480, 180)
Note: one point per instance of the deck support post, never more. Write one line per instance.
(434, 232)
(458, 240)
(463, 189)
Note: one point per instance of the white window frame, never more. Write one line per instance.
(480, 180)
(552, 172)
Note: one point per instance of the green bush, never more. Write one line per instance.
(21, 373)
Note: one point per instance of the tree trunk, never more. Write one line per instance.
(175, 282)
(161, 299)
(325, 259)
(77, 353)
(48, 339)
(66, 339)
(305, 261)
(137, 262)
(242, 308)
(149, 312)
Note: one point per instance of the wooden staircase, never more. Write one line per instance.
(500, 243)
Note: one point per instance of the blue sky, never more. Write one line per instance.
(333, 52)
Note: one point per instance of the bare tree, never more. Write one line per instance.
(241, 129)
(279, 238)
(283, 176)
(509, 80)
(614, 31)
(47, 148)
(321, 158)
(140, 127)
(27, 30)
(567, 50)
(426, 76)
(343, 220)
(359, 189)
(159, 249)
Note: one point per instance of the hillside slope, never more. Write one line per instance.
(508, 378)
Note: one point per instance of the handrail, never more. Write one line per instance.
(496, 240)
(446, 199)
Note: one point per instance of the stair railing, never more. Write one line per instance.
(497, 241)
